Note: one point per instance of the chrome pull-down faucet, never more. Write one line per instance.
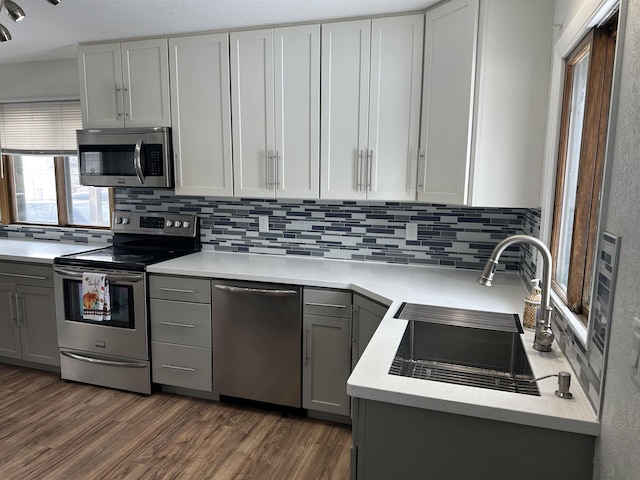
(544, 335)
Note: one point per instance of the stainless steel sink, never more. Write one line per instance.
(478, 349)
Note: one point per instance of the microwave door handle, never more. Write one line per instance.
(137, 160)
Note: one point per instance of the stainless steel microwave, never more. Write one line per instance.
(125, 157)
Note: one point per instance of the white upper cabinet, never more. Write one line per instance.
(275, 102)
(370, 112)
(512, 96)
(125, 84)
(445, 141)
(201, 114)
(484, 118)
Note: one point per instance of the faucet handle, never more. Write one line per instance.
(564, 382)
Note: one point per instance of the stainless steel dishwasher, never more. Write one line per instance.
(257, 330)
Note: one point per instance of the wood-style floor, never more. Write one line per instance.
(53, 430)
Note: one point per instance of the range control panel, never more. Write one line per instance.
(174, 224)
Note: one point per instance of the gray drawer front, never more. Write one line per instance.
(328, 303)
(26, 274)
(183, 289)
(180, 366)
(181, 322)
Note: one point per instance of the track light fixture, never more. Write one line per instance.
(16, 14)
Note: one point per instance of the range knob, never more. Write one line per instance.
(169, 223)
(186, 224)
(177, 223)
(117, 220)
(125, 220)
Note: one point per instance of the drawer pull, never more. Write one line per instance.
(20, 275)
(315, 304)
(175, 367)
(172, 324)
(178, 290)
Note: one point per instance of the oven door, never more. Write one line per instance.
(125, 335)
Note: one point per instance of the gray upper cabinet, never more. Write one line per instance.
(125, 84)
(27, 313)
(326, 350)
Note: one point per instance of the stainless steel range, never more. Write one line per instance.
(113, 350)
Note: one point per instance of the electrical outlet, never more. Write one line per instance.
(411, 232)
(263, 223)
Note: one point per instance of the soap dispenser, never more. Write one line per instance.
(532, 305)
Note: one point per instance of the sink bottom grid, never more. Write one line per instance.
(464, 375)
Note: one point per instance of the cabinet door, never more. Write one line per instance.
(394, 109)
(101, 99)
(367, 316)
(9, 330)
(449, 73)
(326, 360)
(297, 111)
(145, 80)
(344, 109)
(201, 114)
(39, 336)
(252, 120)
(511, 102)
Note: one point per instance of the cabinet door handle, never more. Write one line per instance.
(20, 307)
(359, 164)
(267, 176)
(421, 168)
(369, 168)
(307, 348)
(276, 169)
(172, 324)
(125, 101)
(12, 308)
(119, 102)
(175, 367)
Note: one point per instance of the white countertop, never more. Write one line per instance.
(391, 285)
(40, 251)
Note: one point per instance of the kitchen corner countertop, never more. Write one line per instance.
(40, 251)
(392, 285)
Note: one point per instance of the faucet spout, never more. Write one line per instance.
(544, 335)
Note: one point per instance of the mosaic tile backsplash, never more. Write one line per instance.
(448, 236)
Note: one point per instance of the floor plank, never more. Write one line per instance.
(54, 430)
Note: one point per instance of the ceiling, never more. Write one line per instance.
(51, 32)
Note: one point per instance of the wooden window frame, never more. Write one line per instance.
(7, 204)
(600, 44)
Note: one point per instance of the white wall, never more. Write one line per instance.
(618, 449)
(45, 80)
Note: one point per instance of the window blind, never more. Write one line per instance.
(40, 127)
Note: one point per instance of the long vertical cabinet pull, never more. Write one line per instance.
(119, 102)
(126, 102)
(307, 348)
(369, 168)
(20, 307)
(12, 308)
(276, 170)
(421, 168)
(267, 169)
(360, 165)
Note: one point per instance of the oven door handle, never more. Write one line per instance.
(137, 160)
(119, 277)
(112, 363)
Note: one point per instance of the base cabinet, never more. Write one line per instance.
(181, 333)
(326, 351)
(27, 313)
(425, 444)
(367, 315)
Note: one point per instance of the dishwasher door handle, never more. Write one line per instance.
(256, 291)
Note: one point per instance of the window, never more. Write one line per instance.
(40, 178)
(584, 123)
